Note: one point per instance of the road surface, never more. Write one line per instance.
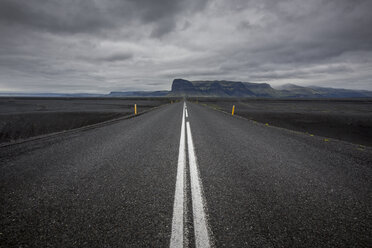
(184, 175)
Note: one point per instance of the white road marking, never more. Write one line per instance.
(200, 221)
(202, 239)
(179, 195)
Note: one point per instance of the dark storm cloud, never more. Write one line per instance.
(53, 16)
(86, 16)
(103, 45)
(312, 30)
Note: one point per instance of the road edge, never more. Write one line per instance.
(324, 138)
(83, 128)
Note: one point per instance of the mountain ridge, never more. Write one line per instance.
(221, 88)
(225, 88)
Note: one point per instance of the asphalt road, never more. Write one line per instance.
(243, 184)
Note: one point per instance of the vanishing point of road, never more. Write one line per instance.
(184, 175)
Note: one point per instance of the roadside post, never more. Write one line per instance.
(233, 110)
(135, 109)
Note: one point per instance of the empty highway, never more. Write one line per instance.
(185, 175)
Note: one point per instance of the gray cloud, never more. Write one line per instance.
(103, 45)
(116, 57)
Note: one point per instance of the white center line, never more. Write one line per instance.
(200, 221)
(179, 196)
(178, 238)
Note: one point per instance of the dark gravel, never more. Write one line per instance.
(111, 186)
(272, 187)
(343, 119)
(22, 118)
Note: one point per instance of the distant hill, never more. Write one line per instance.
(3, 94)
(137, 93)
(292, 90)
(345, 93)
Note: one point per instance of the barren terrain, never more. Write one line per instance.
(343, 119)
(21, 118)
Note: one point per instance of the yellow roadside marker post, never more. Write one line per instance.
(135, 109)
(233, 110)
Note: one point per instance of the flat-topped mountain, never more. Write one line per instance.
(221, 89)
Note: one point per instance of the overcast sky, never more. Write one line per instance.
(109, 45)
